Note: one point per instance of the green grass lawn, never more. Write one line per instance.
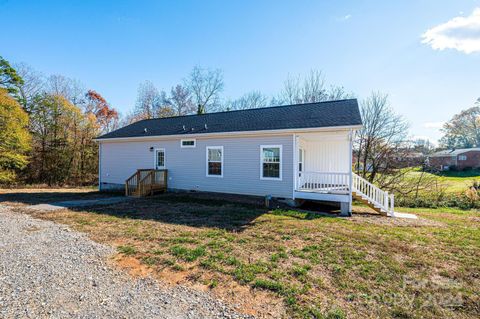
(310, 266)
(453, 182)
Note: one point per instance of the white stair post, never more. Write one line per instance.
(392, 205)
(385, 201)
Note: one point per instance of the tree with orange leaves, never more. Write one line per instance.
(107, 117)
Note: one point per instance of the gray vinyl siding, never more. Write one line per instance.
(187, 166)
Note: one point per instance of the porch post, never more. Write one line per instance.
(350, 180)
(295, 164)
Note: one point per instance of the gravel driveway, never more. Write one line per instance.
(49, 271)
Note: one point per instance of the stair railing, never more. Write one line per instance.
(145, 181)
(373, 194)
(131, 183)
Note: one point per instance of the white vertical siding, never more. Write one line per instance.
(187, 166)
(327, 152)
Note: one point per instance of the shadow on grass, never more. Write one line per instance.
(231, 213)
(223, 211)
(39, 197)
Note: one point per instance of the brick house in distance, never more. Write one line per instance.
(459, 158)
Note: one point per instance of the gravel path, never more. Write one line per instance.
(49, 271)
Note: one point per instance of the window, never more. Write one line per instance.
(187, 143)
(215, 161)
(462, 157)
(271, 162)
(160, 158)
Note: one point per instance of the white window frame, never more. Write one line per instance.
(462, 157)
(206, 160)
(155, 158)
(281, 163)
(188, 146)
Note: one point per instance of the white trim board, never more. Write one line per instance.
(322, 197)
(232, 134)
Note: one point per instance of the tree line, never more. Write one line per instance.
(47, 124)
(201, 92)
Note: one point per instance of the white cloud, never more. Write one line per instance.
(459, 33)
(435, 125)
(345, 18)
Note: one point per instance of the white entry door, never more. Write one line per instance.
(160, 158)
(301, 160)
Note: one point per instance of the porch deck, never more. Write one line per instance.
(328, 186)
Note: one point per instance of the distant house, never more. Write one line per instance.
(457, 158)
(408, 158)
(291, 152)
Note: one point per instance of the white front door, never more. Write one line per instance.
(301, 160)
(160, 158)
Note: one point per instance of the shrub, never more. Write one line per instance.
(463, 200)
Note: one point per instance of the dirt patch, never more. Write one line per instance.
(396, 222)
(363, 214)
(132, 265)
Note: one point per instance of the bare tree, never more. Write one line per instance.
(309, 89)
(381, 138)
(252, 100)
(71, 89)
(181, 100)
(32, 86)
(147, 101)
(150, 103)
(206, 86)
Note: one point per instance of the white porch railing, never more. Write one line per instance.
(374, 195)
(324, 182)
(339, 183)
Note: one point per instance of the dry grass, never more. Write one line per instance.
(292, 263)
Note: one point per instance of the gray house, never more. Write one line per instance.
(292, 152)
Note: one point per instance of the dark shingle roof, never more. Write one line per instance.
(454, 152)
(310, 115)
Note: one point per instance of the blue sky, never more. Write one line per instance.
(112, 46)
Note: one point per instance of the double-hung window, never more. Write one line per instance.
(462, 157)
(271, 162)
(215, 161)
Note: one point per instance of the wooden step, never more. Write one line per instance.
(366, 201)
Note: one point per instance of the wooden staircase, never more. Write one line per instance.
(146, 182)
(374, 197)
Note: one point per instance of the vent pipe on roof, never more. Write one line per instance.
(206, 127)
(145, 130)
(184, 128)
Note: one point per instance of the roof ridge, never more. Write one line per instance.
(246, 110)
